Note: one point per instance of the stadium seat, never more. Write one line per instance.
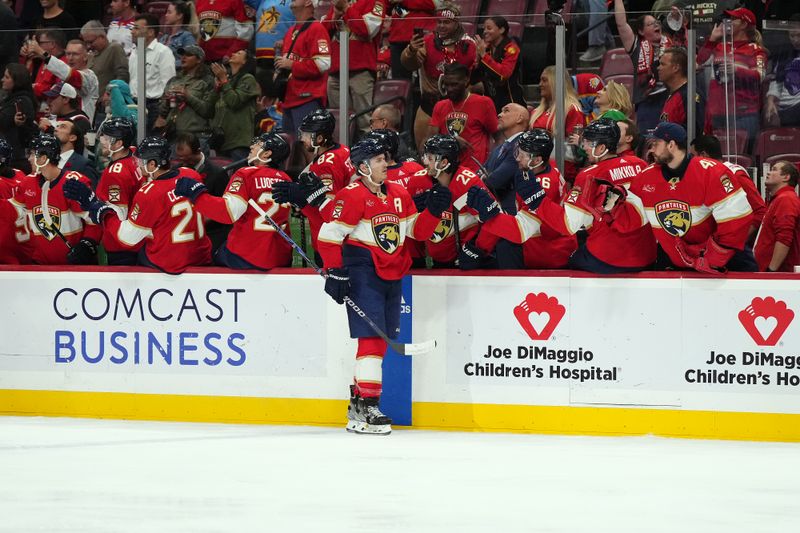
(616, 61)
(515, 30)
(469, 10)
(389, 90)
(737, 141)
(536, 15)
(469, 27)
(777, 142)
(741, 160)
(792, 158)
(510, 9)
(351, 130)
(156, 8)
(624, 79)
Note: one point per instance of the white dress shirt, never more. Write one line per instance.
(160, 67)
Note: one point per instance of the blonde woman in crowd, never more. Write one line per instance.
(613, 96)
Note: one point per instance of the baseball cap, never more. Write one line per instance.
(192, 50)
(669, 131)
(62, 89)
(744, 14)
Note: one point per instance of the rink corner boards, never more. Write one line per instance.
(557, 420)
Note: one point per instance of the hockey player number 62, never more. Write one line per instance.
(179, 234)
(271, 208)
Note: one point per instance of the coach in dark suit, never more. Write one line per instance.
(503, 169)
(70, 135)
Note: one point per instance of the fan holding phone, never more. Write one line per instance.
(17, 113)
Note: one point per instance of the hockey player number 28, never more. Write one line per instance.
(179, 234)
(260, 223)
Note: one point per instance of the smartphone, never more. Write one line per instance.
(18, 106)
(419, 32)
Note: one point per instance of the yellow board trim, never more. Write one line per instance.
(616, 421)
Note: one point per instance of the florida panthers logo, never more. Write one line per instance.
(456, 123)
(386, 229)
(41, 222)
(210, 22)
(675, 217)
(443, 228)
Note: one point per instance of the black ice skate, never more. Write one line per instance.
(367, 418)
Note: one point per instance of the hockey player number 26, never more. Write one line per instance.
(179, 234)
(271, 208)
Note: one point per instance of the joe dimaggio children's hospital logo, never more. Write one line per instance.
(766, 320)
(539, 314)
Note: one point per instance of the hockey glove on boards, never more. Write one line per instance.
(439, 198)
(189, 188)
(530, 190)
(83, 253)
(81, 193)
(337, 284)
(708, 258)
(480, 200)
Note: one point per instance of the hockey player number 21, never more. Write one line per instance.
(271, 208)
(179, 234)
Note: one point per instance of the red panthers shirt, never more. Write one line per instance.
(46, 247)
(378, 222)
(118, 185)
(312, 60)
(174, 231)
(14, 235)
(251, 238)
(474, 120)
(363, 20)
(781, 224)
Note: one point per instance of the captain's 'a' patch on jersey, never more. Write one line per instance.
(674, 216)
(386, 229)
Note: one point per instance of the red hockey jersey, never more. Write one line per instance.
(118, 185)
(14, 235)
(363, 20)
(252, 238)
(474, 120)
(312, 61)
(625, 240)
(781, 224)
(401, 173)
(46, 247)
(757, 203)
(174, 231)
(335, 170)
(10, 184)
(750, 64)
(412, 14)
(707, 201)
(378, 222)
(224, 27)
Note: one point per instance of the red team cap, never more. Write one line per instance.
(744, 14)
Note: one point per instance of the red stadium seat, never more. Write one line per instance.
(791, 158)
(510, 9)
(736, 159)
(469, 27)
(388, 91)
(777, 141)
(616, 61)
(156, 8)
(515, 30)
(469, 10)
(624, 79)
(536, 15)
(737, 141)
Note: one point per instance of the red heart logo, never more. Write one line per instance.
(539, 314)
(766, 320)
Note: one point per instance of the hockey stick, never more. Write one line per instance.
(235, 164)
(400, 348)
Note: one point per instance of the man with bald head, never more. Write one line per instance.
(501, 165)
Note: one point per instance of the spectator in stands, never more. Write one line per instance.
(783, 99)
(600, 38)
(188, 102)
(408, 17)
(363, 20)
(429, 53)
(52, 42)
(468, 117)
(118, 101)
(190, 155)
(269, 110)
(629, 138)
(587, 85)
(70, 135)
(643, 42)
(53, 16)
(177, 30)
(74, 71)
(160, 66)
(17, 111)
(308, 63)
(672, 71)
(120, 29)
(777, 247)
(747, 65)
(235, 98)
(63, 103)
(224, 28)
(387, 116)
(499, 64)
(106, 59)
(9, 42)
(273, 18)
(614, 96)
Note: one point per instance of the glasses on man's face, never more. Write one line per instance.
(374, 120)
(42, 43)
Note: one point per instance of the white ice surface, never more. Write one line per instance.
(59, 475)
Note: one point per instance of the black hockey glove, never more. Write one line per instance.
(421, 201)
(83, 253)
(480, 200)
(312, 188)
(337, 284)
(439, 199)
(286, 192)
(530, 190)
(81, 193)
(189, 188)
(470, 257)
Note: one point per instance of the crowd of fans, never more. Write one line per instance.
(219, 72)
